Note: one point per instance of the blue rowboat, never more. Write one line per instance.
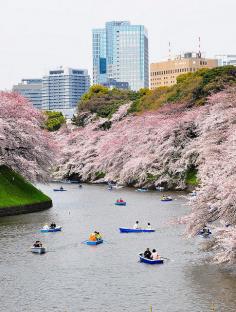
(166, 199)
(149, 261)
(56, 229)
(59, 190)
(120, 203)
(100, 241)
(125, 230)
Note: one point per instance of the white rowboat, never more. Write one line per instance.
(38, 250)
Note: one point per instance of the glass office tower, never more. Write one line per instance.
(120, 53)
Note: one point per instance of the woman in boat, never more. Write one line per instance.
(147, 254)
(92, 237)
(155, 255)
(38, 244)
(149, 226)
(98, 235)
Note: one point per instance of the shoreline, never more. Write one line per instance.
(16, 210)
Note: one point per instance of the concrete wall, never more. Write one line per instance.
(11, 211)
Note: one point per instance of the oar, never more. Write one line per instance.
(105, 241)
(165, 258)
(84, 241)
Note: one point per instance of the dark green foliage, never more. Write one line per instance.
(54, 120)
(191, 177)
(106, 125)
(191, 88)
(16, 191)
(151, 177)
(99, 175)
(213, 81)
(105, 102)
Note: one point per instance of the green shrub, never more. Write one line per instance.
(99, 175)
(105, 102)
(54, 120)
(151, 177)
(191, 177)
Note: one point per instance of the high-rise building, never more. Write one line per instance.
(63, 88)
(120, 53)
(226, 59)
(99, 56)
(165, 73)
(31, 89)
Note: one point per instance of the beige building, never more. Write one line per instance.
(165, 73)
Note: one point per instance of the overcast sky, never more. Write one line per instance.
(38, 35)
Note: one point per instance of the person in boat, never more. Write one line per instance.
(46, 227)
(61, 188)
(136, 226)
(155, 255)
(38, 244)
(149, 226)
(120, 200)
(98, 235)
(53, 225)
(205, 230)
(147, 254)
(92, 237)
(80, 185)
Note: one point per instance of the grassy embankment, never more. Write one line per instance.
(16, 191)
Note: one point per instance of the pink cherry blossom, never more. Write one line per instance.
(24, 145)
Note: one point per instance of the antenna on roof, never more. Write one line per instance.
(199, 47)
(169, 58)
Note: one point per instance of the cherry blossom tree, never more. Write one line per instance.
(24, 145)
(159, 148)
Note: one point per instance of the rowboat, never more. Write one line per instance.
(204, 233)
(126, 230)
(38, 250)
(59, 190)
(46, 230)
(142, 190)
(166, 199)
(117, 187)
(118, 203)
(149, 261)
(99, 241)
(160, 188)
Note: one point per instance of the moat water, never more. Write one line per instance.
(73, 277)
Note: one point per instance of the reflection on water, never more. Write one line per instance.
(75, 277)
(211, 281)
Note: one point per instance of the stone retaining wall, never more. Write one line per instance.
(15, 210)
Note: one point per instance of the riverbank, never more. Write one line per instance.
(18, 196)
